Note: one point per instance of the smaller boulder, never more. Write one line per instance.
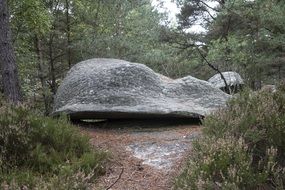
(268, 88)
(233, 79)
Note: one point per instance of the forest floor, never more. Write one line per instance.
(145, 154)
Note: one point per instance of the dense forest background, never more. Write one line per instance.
(240, 146)
(50, 36)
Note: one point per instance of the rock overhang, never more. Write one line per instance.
(111, 88)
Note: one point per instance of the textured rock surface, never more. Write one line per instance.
(232, 78)
(110, 88)
(163, 154)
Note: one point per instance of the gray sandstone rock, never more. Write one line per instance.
(233, 79)
(111, 88)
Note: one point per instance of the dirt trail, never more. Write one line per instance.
(146, 154)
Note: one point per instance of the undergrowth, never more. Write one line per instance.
(243, 146)
(38, 152)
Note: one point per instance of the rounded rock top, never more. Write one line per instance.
(231, 77)
(104, 88)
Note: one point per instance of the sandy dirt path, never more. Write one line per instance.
(146, 154)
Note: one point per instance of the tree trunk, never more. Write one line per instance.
(9, 70)
(68, 33)
(41, 73)
(279, 73)
(52, 68)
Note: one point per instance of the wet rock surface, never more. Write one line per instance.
(110, 88)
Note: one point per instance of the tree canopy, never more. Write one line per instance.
(49, 36)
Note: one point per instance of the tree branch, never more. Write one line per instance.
(214, 68)
(209, 6)
(119, 177)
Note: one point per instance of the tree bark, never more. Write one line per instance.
(68, 32)
(9, 70)
(52, 67)
(41, 73)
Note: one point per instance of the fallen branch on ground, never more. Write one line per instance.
(119, 177)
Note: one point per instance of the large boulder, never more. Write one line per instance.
(111, 88)
(233, 79)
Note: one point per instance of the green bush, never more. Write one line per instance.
(34, 147)
(243, 146)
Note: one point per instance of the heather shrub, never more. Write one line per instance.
(242, 146)
(259, 118)
(36, 149)
(226, 163)
(61, 181)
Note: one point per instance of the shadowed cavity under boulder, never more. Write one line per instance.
(110, 88)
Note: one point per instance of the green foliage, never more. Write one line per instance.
(226, 163)
(258, 118)
(235, 49)
(242, 147)
(31, 15)
(242, 36)
(33, 147)
(122, 29)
